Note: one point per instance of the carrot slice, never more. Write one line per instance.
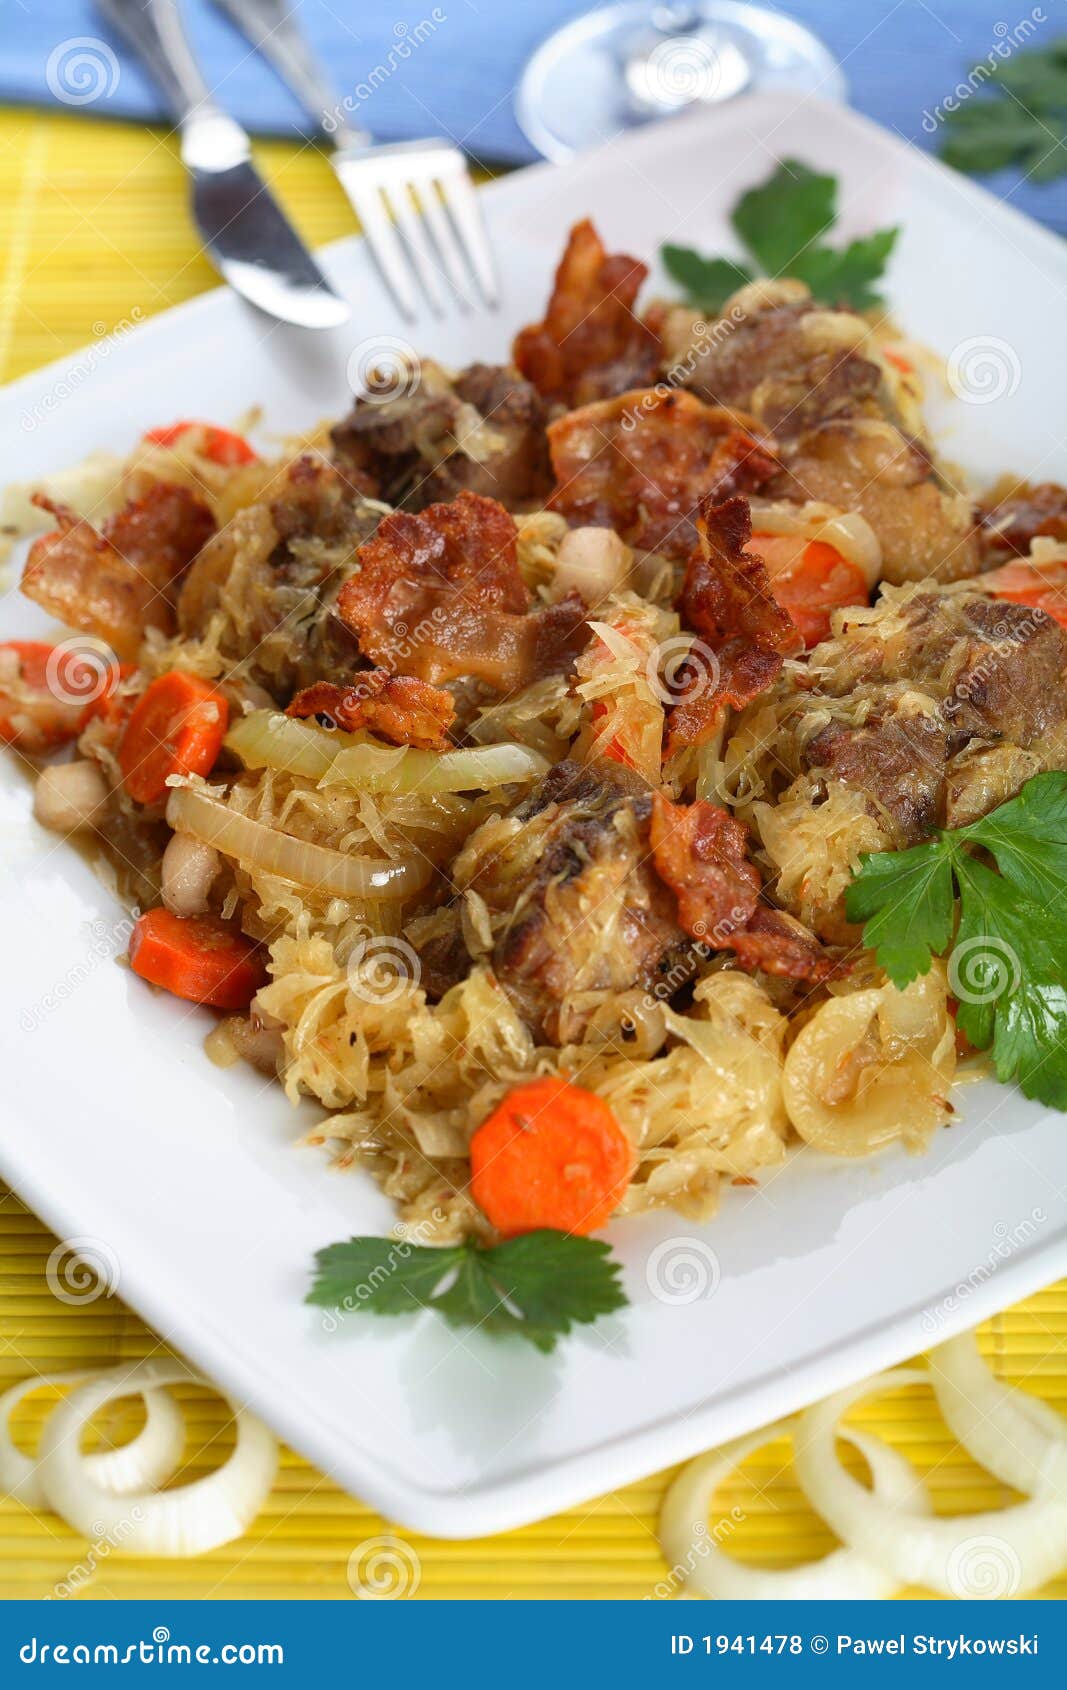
(41, 688)
(550, 1155)
(197, 957)
(221, 445)
(1020, 582)
(112, 706)
(810, 580)
(176, 728)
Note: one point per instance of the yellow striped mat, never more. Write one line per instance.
(92, 225)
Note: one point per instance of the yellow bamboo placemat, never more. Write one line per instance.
(93, 231)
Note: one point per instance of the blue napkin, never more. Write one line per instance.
(452, 68)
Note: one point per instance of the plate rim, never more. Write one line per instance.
(570, 1480)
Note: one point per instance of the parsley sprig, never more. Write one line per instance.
(1009, 942)
(533, 1287)
(1019, 118)
(782, 224)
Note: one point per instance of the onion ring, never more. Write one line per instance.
(194, 1517)
(1016, 1437)
(842, 1574)
(273, 852)
(1028, 1540)
(148, 1459)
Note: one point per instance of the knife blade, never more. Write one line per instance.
(245, 231)
(246, 234)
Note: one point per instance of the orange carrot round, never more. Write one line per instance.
(221, 445)
(810, 578)
(200, 958)
(176, 728)
(1020, 582)
(550, 1155)
(33, 712)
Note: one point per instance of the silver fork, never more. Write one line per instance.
(398, 190)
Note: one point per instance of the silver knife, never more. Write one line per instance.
(247, 235)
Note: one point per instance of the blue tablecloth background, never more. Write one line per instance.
(900, 60)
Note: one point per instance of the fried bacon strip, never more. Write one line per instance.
(399, 708)
(728, 602)
(591, 344)
(743, 672)
(700, 852)
(641, 463)
(440, 595)
(117, 581)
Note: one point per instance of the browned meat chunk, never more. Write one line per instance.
(440, 596)
(119, 581)
(898, 760)
(925, 532)
(803, 373)
(772, 363)
(935, 706)
(996, 669)
(579, 914)
(641, 463)
(591, 344)
(1012, 522)
(270, 580)
(1005, 668)
(482, 431)
(399, 708)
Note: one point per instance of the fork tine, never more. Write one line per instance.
(384, 242)
(444, 239)
(410, 224)
(459, 195)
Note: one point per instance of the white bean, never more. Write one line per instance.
(70, 796)
(189, 867)
(591, 561)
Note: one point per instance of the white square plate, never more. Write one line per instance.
(118, 1129)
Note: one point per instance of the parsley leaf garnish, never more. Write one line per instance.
(905, 899)
(708, 282)
(779, 220)
(1020, 119)
(535, 1287)
(782, 223)
(847, 274)
(1009, 950)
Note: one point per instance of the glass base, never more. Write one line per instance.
(627, 64)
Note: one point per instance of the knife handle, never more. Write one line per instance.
(274, 30)
(153, 28)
